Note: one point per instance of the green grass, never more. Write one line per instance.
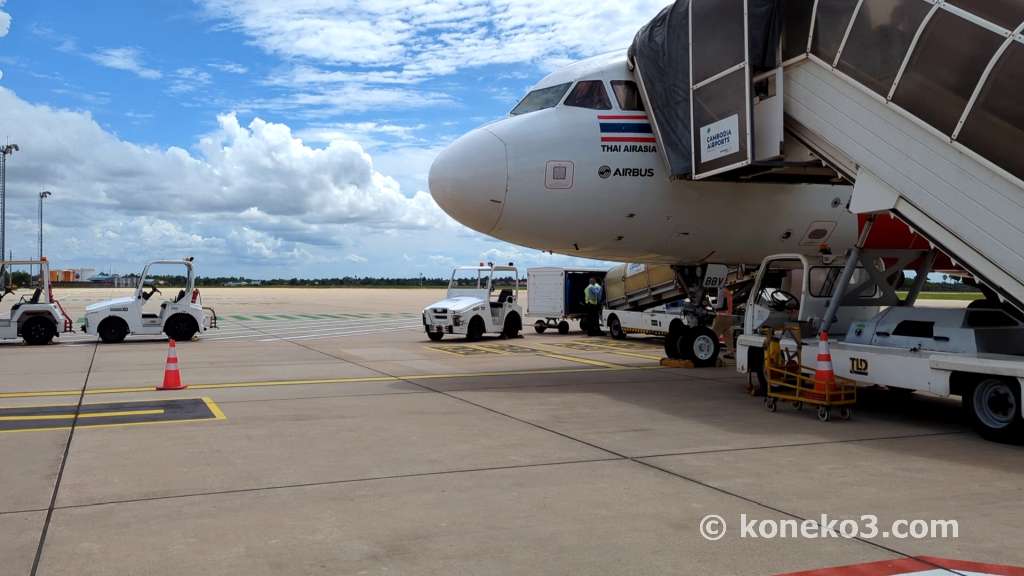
(947, 295)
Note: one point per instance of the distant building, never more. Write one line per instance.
(72, 275)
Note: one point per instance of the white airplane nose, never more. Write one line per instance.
(469, 179)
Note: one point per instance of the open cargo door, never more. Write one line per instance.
(720, 101)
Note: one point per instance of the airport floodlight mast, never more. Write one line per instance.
(42, 196)
(6, 151)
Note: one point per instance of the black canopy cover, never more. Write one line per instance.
(660, 54)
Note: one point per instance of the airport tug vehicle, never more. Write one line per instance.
(181, 317)
(878, 337)
(37, 318)
(481, 300)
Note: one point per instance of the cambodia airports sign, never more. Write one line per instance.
(720, 139)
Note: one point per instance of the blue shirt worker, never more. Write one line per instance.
(593, 295)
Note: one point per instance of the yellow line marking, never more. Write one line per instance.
(635, 355)
(621, 350)
(293, 382)
(541, 372)
(49, 393)
(443, 349)
(486, 349)
(94, 391)
(218, 414)
(68, 427)
(214, 409)
(582, 360)
(600, 367)
(617, 344)
(603, 350)
(87, 415)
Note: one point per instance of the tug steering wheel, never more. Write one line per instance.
(782, 301)
(152, 290)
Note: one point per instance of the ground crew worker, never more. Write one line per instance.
(593, 294)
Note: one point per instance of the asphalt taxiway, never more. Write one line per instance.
(322, 433)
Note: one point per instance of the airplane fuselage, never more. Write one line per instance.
(590, 182)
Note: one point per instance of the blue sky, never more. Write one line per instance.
(268, 138)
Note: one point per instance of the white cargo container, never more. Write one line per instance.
(555, 296)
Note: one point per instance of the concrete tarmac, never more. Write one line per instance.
(324, 434)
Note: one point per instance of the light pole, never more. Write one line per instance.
(6, 151)
(42, 196)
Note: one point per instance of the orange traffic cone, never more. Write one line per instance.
(824, 376)
(172, 377)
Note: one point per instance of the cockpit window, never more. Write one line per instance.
(589, 94)
(541, 99)
(628, 95)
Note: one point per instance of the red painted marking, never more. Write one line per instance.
(621, 117)
(964, 565)
(890, 233)
(627, 139)
(910, 565)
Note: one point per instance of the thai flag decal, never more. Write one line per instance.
(632, 128)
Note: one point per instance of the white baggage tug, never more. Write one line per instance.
(37, 318)
(481, 300)
(180, 318)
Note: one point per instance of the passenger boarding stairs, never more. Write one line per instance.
(927, 173)
(918, 102)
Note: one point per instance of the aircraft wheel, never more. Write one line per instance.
(701, 346)
(674, 343)
(38, 331)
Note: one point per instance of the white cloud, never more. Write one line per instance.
(229, 67)
(5, 27)
(332, 101)
(59, 42)
(369, 134)
(356, 258)
(5, 20)
(411, 40)
(127, 59)
(250, 192)
(189, 80)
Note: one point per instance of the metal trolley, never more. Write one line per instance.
(788, 381)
